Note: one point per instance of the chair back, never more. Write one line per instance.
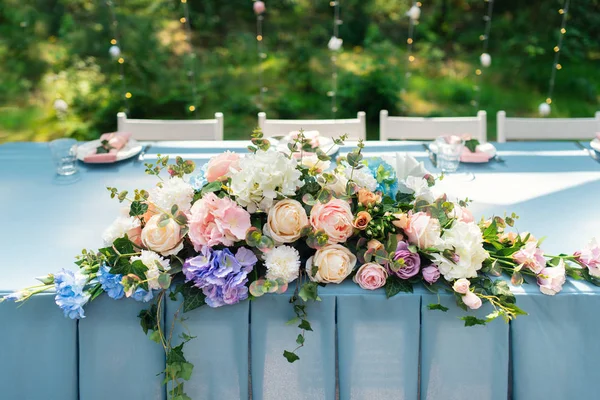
(355, 128)
(158, 129)
(421, 128)
(546, 128)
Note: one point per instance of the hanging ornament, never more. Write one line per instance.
(114, 51)
(335, 43)
(414, 13)
(259, 7)
(486, 60)
(191, 57)
(544, 109)
(60, 105)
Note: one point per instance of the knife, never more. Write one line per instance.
(432, 155)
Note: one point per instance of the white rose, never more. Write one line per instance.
(461, 286)
(471, 300)
(330, 264)
(285, 221)
(165, 240)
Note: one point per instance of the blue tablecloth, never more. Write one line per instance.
(386, 349)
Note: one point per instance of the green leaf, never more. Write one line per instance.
(437, 306)
(148, 319)
(123, 245)
(395, 285)
(309, 291)
(137, 208)
(291, 357)
(501, 289)
(186, 371)
(164, 280)
(211, 187)
(192, 296)
(300, 339)
(175, 355)
(304, 324)
(472, 321)
(292, 321)
(155, 336)
(174, 209)
(163, 221)
(181, 219)
(472, 145)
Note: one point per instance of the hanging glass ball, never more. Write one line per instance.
(544, 109)
(114, 51)
(486, 59)
(259, 7)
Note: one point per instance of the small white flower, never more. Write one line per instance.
(119, 228)
(335, 43)
(156, 264)
(60, 105)
(414, 13)
(283, 262)
(173, 191)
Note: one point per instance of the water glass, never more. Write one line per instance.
(64, 154)
(449, 149)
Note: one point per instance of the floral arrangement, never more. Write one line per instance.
(247, 225)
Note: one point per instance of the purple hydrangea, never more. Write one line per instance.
(70, 294)
(220, 274)
(412, 261)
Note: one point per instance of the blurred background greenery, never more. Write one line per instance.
(53, 49)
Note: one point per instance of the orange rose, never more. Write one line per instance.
(362, 220)
(368, 198)
(401, 220)
(375, 245)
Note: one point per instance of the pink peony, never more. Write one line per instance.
(589, 257)
(431, 274)
(423, 230)
(531, 257)
(334, 218)
(219, 168)
(371, 276)
(551, 280)
(214, 221)
(472, 301)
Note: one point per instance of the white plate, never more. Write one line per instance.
(132, 148)
(487, 148)
(595, 145)
(326, 144)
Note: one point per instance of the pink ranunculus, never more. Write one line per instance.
(214, 221)
(551, 280)
(431, 274)
(531, 257)
(334, 218)
(461, 286)
(219, 168)
(370, 276)
(471, 300)
(589, 257)
(423, 230)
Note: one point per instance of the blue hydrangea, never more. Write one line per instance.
(111, 283)
(142, 295)
(199, 180)
(384, 173)
(70, 294)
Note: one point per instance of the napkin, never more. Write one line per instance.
(117, 140)
(474, 157)
(407, 165)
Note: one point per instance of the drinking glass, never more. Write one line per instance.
(64, 154)
(448, 154)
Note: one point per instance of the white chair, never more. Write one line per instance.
(355, 128)
(158, 129)
(546, 128)
(419, 128)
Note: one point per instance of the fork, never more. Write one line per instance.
(590, 152)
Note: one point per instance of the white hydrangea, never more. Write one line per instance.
(264, 176)
(418, 186)
(119, 228)
(283, 262)
(173, 191)
(156, 264)
(362, 177)
(466, 241)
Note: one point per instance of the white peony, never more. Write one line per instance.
(466, 241)
(263, 177)
(283, 262)
(173, 191)
(420, 188)
(362, 177)
(156, 264)
(120, 226)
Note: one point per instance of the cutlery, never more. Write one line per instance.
(143, 153)
(432, 155)
(590, 152)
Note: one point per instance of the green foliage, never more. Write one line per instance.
(192, 296)
(395, 285)
(472, 321)
(437, 306)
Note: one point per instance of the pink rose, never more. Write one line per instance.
(471, 300)
(165, 240)
(330, 264)
(531, 257)
(551, 280)
(589, 257)
(285, 221)
(423, 230)
(213, 221)
(370, 276)
(461, 286)
(334, 218)
(431, 274)
(219, 168)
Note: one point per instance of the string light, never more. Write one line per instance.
(544, 108)
(116, 53)
(335, 44)
(259, 9)
(413, 14)
(191, 70)
(485, 59)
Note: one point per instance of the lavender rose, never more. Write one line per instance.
(431, 274)
(412, 261)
